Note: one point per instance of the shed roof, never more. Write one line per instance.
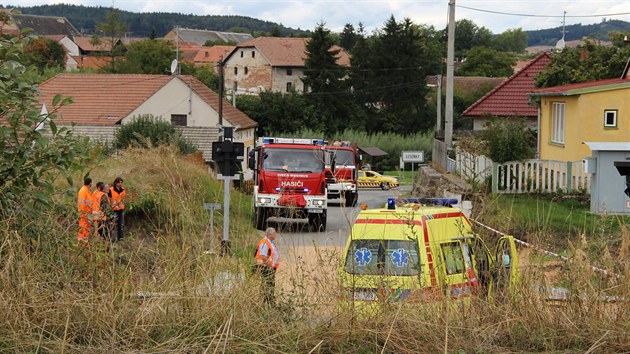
(608, 146)
(373, 151)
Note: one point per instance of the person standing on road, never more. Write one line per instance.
(117, 195)
(84, 206)
(267, 262)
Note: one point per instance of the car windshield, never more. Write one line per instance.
(383, 257)
(342, 158)
(293, 160)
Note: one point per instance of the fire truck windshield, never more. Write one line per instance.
(293, 160)
(342, 158)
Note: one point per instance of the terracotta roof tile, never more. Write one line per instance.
(510, 98)
(105, 99)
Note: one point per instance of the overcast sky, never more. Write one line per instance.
(306, 14)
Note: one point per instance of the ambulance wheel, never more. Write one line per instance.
(384, 186)
(260, 218)
(351, 199)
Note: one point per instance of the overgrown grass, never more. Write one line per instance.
(159, 291)
(393, 144)
(555, 220)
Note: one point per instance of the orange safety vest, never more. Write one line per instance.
(118, 202)
(96, 206)
(271, 254)
(84, 200)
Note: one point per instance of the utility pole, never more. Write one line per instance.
(450, 72)
(438, 129)
(177, 49)
(221, 88)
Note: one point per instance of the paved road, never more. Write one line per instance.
(340, 220)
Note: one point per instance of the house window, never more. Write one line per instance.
(557, 122)
(289, 85)
(241, 53)
(610, 118)
(235, 70)
(179, 119)
(305, 88)
(246, 70)
(289, 72)
(253, 54)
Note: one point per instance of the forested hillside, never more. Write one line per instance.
(85, 18)
(598, 30)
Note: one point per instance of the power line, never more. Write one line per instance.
(536, 15)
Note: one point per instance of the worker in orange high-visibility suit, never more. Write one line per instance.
(267, 262)
(117, 195)
(100, 207)
(84, 206)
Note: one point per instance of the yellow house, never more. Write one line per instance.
(597, 111)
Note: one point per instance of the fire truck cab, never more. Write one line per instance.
(342, 183)
(289, 180)
(421, 250)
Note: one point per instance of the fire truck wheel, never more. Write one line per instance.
(384, 186)
(260, 218)
(317, 222)
(351, 199)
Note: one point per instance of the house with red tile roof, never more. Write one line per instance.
(510, 98)
(109, 100)
(270, 64)
(572, 115)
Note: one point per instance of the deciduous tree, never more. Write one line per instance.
(483, 61)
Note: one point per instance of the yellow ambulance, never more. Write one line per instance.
(421, 250)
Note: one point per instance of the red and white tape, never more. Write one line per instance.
(527, 244)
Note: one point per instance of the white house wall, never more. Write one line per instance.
(174, 98)
(71, 47)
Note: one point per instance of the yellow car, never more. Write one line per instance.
(371, 179)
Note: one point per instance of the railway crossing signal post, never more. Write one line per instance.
(228, 156)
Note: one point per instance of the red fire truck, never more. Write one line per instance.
(343, 181)
(289, 180)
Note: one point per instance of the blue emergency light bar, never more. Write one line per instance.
(391, 202)
(305, 141)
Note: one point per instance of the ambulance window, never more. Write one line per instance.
(453, 258)
(383, 257)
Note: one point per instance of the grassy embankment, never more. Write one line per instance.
(57, 298)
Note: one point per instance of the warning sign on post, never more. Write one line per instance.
(413, 156)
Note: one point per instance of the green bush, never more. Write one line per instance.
(509, 140)
(146, 131)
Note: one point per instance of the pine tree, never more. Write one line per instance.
(332, 106)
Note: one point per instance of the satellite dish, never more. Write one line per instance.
(174, 67)
(560, 45)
